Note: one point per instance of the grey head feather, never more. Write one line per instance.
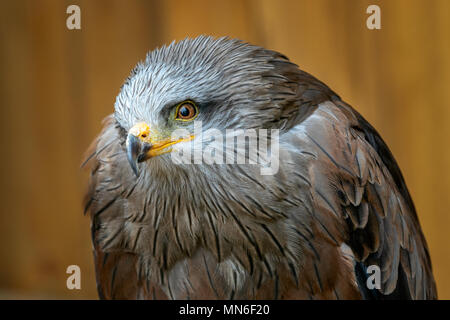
(239, 85)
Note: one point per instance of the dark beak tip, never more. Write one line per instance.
(133, 151)
(135, 169)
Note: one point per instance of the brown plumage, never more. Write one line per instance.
(337, 204)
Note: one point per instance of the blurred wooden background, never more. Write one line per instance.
(56, 85)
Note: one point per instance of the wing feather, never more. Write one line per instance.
(357, 176)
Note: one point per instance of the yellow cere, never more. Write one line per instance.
(159, 146)
(142, 131)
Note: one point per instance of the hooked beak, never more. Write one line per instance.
(136, 151)
(142, 144)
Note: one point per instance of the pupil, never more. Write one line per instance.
(184, 111)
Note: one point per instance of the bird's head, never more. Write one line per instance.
(223, 83)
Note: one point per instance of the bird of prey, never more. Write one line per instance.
(335, 212)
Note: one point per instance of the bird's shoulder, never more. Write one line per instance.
(361, 199)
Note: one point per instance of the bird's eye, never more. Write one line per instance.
(186, 111)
